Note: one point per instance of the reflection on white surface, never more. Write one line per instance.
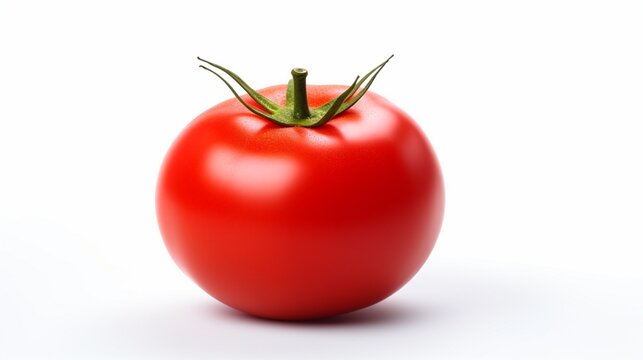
(56, 293)
(452, 311)
(259, 177)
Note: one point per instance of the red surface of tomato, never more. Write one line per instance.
(295, 222)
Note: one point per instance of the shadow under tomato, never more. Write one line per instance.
(385, 313)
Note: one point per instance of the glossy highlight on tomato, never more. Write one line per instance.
(293, 222)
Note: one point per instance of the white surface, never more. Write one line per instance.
(534, 109)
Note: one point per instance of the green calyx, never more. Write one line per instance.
(296, 111)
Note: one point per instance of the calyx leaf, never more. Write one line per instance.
(284, 115)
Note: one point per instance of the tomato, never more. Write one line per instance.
(294, 222)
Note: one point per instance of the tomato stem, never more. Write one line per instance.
(296, 111)
(300, 105)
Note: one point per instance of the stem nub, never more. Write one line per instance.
(300, 105)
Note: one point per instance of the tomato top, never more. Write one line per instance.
(294, 111)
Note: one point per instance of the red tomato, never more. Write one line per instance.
(299, 223)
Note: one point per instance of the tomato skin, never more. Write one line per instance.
(298, 223)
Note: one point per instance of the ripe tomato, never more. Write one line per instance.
(301, 222)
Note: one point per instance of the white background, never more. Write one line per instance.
(534, 108)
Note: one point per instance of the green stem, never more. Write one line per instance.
(296, 111)
(300, 109)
